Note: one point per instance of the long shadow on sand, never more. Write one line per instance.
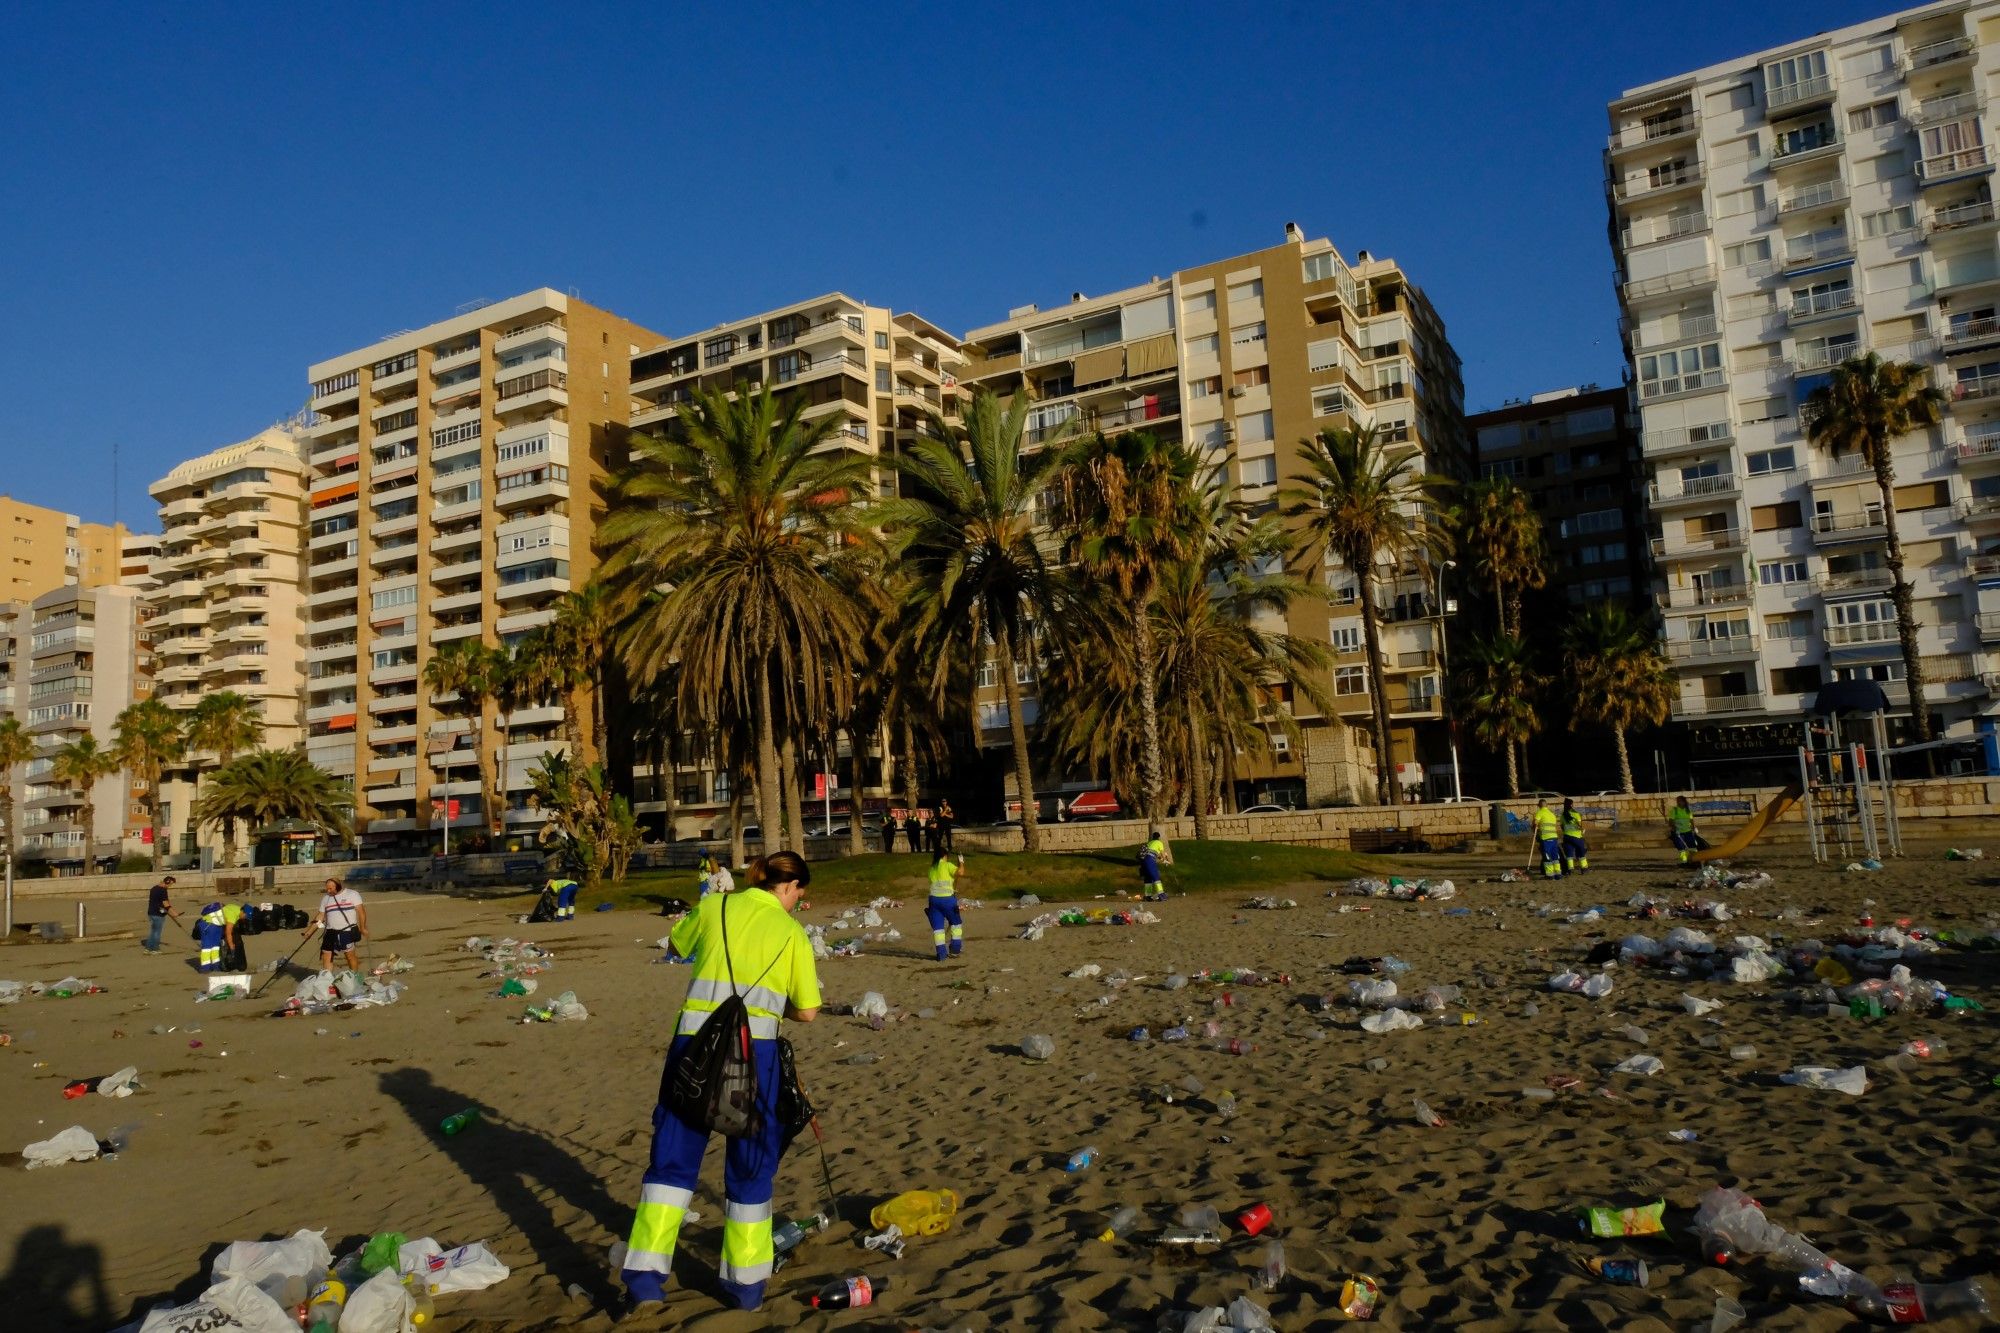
(56, 1283)
(512, 1163)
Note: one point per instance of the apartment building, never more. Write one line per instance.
(452, 493)
(1772, 216)
(881, 375)
(43, 549)
(70, 661)
(1575, 452)
(135, 562)
(1246, 358)
(222, 609)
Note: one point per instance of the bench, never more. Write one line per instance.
(1395, 841)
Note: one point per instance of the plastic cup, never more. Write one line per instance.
(1728, 1314)
(1254, 1218)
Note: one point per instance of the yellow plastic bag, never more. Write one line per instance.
(917, 1212)
(1831, 972)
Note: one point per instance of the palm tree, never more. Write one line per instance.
(469, 674)
(150, 738)
(578, 641)
(1496, 685)
(1622, 679)
(976, 570)
(1133, 506)
(743, 521)
(1864, 407)
(1501, 535)
(1364, 501)
(266, 786)
(225, 724)
(81, 765)
(16, 748)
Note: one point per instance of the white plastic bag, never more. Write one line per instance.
(382, 1304)
(871, 1005)
(1391, 1020)
(1643, 1065)
(1853, 1081)
(1697, 1006)
(75, 1144)
(1597, 987)
(119, 1084)
(235, 1304)
(566, 1008)
(315, 989)
(467, 1268)
(1371, 992)
(10, 991)
(267, 1263)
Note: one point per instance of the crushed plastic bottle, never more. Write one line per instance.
(1120, 1223)
(1081, 1159)
(1426, 1117)
(1916, 1302)
(1852, 1081)
(1271, 1266)
(1225, 1105)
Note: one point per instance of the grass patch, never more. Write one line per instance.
(1199, 867)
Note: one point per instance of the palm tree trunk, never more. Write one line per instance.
(153, 817)
(1150, 779)
(1624, 759)
(1198, 770)
(736, 856)
(1901, 595)
(856, 843)
(1024, 774)
(909, 773)
(489, 812)
(1499, 600)
(795, 824)
(89, 833)
(7, 809)
(663, 774)
(1386, 791)
(1228, 750)
(768, 810)
(1513, 772)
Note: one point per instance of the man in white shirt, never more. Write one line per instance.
(344, 920)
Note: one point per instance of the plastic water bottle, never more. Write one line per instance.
(1916, 1302)
(324, 1307)
(1271, 1271)
(1080, 1159)
(1120, 1223)
(1225, 1105)
(423, 1310)
(459, 1123)
(849, 1293)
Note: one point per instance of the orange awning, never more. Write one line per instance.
(340, 722)
(336, 494)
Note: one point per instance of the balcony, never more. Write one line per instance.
(1821, 305)
(1729, 648)
(1809, 198)
(1951, 106)
(1979, 212)
(1692, 222)
(1860, 633)
(1974, 388)
(1934, 54)
(1830, 529)
(522, 589)
(397, 674)
(1980, 509)
(1686, 439)
(1852, 582)
(1978, 447)
(1989, 626)
(1818, 250)
(1805, 148)
(1658, 182)
(548, 328)
(1814, 357)
(1665, 284)
(460, 569)
(1944, 167)
(1789, 97)
(1687, 330)
(536, 492)
(1970, 335)
(1719, 705)
(1691, 544)
(1659, 130)
(1701, 598)
(1688, 489)
(1983, 566)
(458, 601)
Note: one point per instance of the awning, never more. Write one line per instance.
(1100, 366)
(336, 494)
(1149, 355)
(340, 722)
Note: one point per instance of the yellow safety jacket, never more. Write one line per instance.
(1682, 819)
(1545, 823)
(943, 880)
(768, 951)
(1572, 825)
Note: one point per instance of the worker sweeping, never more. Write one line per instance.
(942, 907)
(743, 944)
(565, 890)
(215, 932)
(1548, 836)
(1575, 852)
(1680, 826)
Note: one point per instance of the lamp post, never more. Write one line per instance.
(1444, 675)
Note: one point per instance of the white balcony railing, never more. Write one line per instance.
(1818, 195)
(1935, 53)
(1792, 94)
(1817, 305)
(1944, 166)
(1693, 488)
(1951, 106)
(1961, 215)
(1649, 230)
(1681, 280)
(1700, 650)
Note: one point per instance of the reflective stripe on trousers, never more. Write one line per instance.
(945, 923)
(748, 1168)
(1551, 858)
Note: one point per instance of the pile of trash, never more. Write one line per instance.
(75, 1144)
(510, 953)
(10, 991)
(121, 1084)
(1271, 904)
(850, 947)
(1645, 907)
(1093, 916)
(1402, 890)
(1716, 877)
(565, 1008)
(389, 1285)
(334, 992)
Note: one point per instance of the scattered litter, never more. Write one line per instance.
(565, 1008)
(1643, 1065)
(1271, 904)
(1359, 1297)
(1852, 1081)
(1646, 1220)
(1426, 1117)
(1391, 1020)
(1400, 889)
(871, 1005)
(1681, 1136)
(1969, 854)
(75, 1144)
(1729, 1223)
(1037, 1047)
(1623, 1272)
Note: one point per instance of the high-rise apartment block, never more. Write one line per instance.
(880, 375)
(70, 661)
(452, 494)
(1773, 216)
(1575, 453)
(43, 549)
(1246, 358)
(224, 610)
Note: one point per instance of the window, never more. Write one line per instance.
(1318, 268)
(1597, 520)
(1739, 98)
(1758, 356)
(1953, 141)
(1886, 221)
(881, 342)
(1794, 77)
(1775, 518)
(1679, 371)
(1253, 427)
(1350, 680)
(1794, 679)
(1765, 461)
(1762, 409)
(1874, 116)
(1209, 435)
(1327, 402)
(1205, 388)
(717, 350)
(1820, 297)
(1203, 344)
(1796, 139)
(1880, 672)
(1667, 173)
(1024, 673)
(1791, 625)
(1735, 203)
(1747, 252)
(1873, 61)
(1923, 495)
(1198, 303)
(1347, 638)
(1753, 305)
(989, 674)
(464, 430)
(1259, 471)
(1252, 377)
(507, 453)
(1247, 333)
(882, 384)
(1252, 290)
(1774, 573)
(404, 596)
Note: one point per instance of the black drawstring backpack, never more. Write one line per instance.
(713, 1085)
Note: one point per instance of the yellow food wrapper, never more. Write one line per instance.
(1642, 1221)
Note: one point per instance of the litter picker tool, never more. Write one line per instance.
(279, 969)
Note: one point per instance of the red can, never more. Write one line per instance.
(73, 1091)
(1254, 1218)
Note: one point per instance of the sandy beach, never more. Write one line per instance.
(330, 1122)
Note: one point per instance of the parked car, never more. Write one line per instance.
(1267, 810)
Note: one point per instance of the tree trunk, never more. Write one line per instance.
(857, 842)
(1024, 774)
(909, 773)
(1513, 773)
(788, 767)
(1198, 771)
(769, 812)
(1900, 594)
(224, 758)
(153, 817)
(597, 716)
(1387, 791)
(736, 853)
(1151, 781)
(1624, 760)
(89, 834)
(1228, 749)
(7, 810)
(489, 806)
(1499, 600)
(663, 774)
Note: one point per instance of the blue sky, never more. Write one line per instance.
(196, 202)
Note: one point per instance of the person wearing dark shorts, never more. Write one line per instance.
(159, 906)
(344, 923)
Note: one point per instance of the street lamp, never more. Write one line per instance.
(1444, 677)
